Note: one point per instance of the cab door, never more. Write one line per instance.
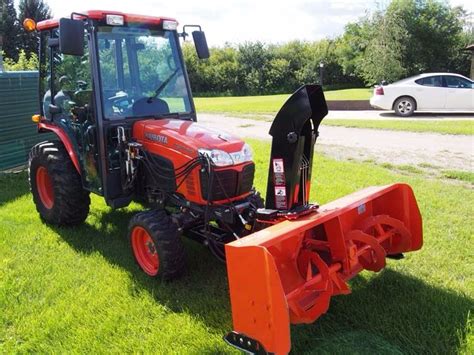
(68, 101)
(459, 93)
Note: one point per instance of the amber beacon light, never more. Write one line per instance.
(29, 25)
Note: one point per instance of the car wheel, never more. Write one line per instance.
(404, 106)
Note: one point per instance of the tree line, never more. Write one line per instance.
(406, 38)
(409, 37)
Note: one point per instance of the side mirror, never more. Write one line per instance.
(71, 37)
(201, 44)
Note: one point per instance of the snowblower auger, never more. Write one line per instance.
(288, 272)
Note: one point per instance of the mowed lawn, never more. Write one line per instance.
(264, 107)
(268, 103)
(79, 290)
(464, 127)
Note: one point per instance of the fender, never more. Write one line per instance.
(64, 139)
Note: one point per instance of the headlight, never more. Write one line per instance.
(221, 158)
(245, 154)
(218, 157)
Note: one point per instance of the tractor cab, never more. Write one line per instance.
(103, 70)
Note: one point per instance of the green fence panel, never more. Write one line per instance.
(18, 102)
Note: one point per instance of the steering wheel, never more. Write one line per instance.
(119, 104)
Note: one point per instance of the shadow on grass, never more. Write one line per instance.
(12, 186)
(202, 292)
(388, 313)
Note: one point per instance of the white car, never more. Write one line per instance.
(426, 92)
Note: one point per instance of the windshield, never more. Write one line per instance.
(141, 73)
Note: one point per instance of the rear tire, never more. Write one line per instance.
(156, 244)
(404, 106)
(56, 185)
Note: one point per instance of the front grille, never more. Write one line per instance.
(246, 179)
(228, 183)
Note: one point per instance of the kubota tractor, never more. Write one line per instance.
(115, 92)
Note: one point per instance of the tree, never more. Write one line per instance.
(38, 10)
(216, 75)
(260, 69)
(9, 29)
(253, 57)
(435, 36)
(23, 63)
(409, 38)
(372, 48)
(383, 54)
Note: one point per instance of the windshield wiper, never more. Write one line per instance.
(163, 85)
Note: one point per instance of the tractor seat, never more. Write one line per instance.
(150, 107)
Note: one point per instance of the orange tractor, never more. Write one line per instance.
(115, 92)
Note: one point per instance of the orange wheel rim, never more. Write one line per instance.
(45, 187)
(144, 250)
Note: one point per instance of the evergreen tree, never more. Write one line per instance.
(9, 29)
(38, 10)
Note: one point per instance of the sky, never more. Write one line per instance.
(235, 21)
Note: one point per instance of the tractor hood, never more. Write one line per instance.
(184, 136)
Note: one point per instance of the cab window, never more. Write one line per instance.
(72, 84)
(141, 73)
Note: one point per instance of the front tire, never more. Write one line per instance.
(404, 106)
(56, 185)
(156, 244)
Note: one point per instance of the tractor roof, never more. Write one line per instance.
(100, 14)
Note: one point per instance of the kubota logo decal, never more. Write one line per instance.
(157, 138)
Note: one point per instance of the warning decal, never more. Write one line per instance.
(280, 197)
(278, 166)
(278, 172)
(280, 183)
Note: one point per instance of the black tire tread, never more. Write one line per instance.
(71, 201)
(167, 239)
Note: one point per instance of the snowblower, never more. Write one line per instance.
(288, 272)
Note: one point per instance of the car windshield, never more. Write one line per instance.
(141, 73)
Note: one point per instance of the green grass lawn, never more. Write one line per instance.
(79, 290)
(459, 175)
(445, 127)
(268, 103)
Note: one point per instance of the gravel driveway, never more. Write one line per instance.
(383, 146)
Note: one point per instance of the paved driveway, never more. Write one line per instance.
(395, 147)
(390, 115)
